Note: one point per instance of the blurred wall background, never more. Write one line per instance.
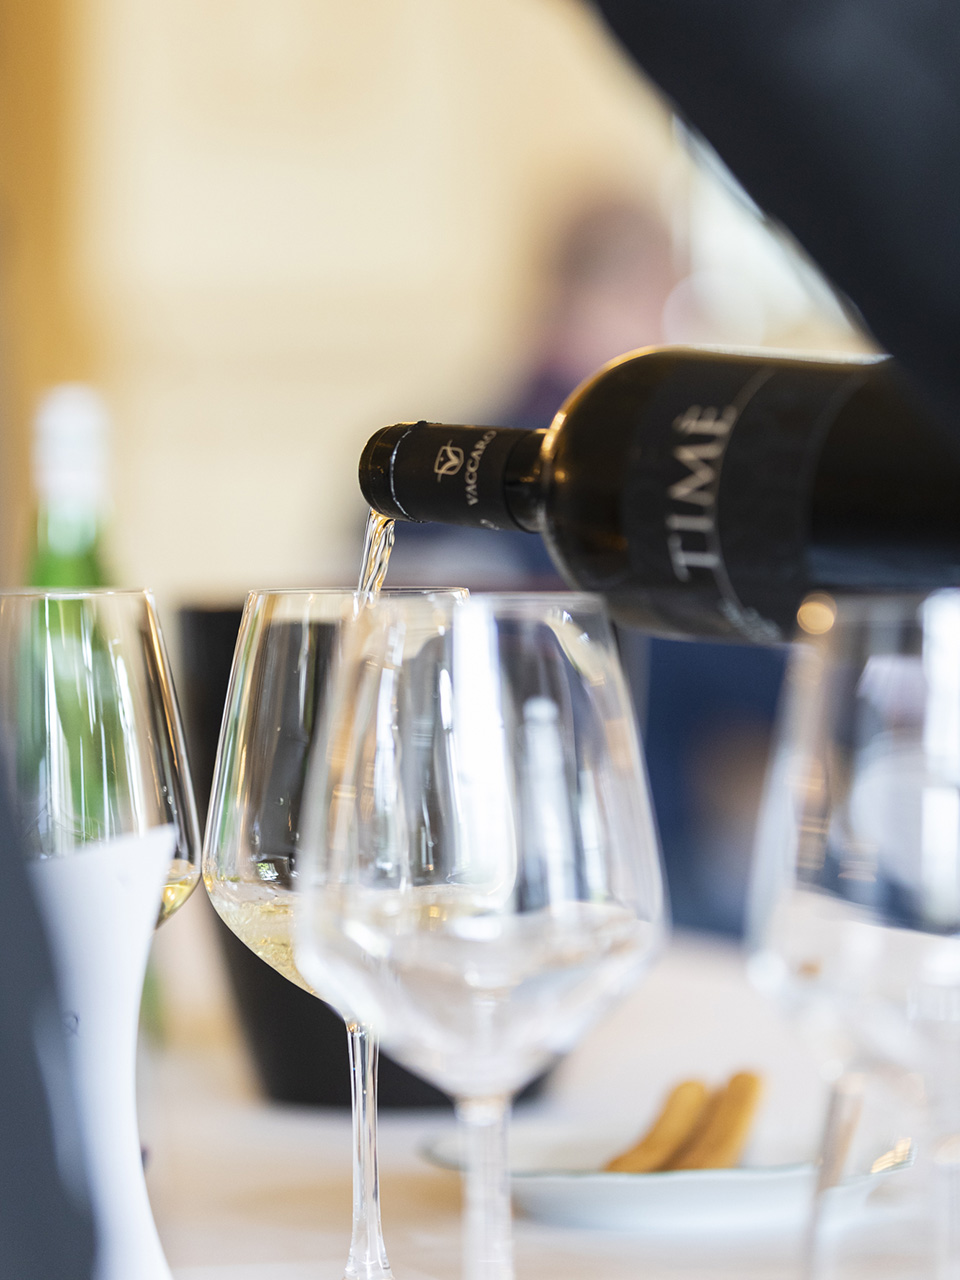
(266, 228)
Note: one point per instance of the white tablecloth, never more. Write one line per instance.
(246, 1190)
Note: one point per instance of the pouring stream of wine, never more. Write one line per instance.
(377, 544)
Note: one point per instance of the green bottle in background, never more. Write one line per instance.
(67, 683)
(70, 477)
(70, 457)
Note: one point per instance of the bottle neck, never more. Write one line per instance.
(67, 547)
(486, 477)
(70, 479)
(67, 529)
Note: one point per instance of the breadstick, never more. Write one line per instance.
(718, 1141)
(672, 1128)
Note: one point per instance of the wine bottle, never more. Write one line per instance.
(702, 492)
(70, 664)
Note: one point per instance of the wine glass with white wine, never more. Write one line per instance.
(275, 703)
(103, 795)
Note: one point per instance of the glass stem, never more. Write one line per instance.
(368, 1257)
(843, 1116)
(487, 1244)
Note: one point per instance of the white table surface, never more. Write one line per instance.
(247, 1190)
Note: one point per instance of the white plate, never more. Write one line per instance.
(554, 1179)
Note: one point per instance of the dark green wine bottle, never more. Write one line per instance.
(704, 493)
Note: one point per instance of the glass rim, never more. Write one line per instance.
(586, 611)
(582, 599)
(579, 599)
(74, 593)
(347, 591)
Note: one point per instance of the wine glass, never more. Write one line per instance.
(855, 911)
(480, 874)
(275, 702)
(108, 824)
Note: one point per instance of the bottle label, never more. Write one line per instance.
(716, 505)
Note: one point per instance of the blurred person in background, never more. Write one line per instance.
(842, 120)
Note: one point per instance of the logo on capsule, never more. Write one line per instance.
(449, 461)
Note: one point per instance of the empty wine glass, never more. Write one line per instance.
(103, 796)
(855, 913)
(274, 706)
(480, 875)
